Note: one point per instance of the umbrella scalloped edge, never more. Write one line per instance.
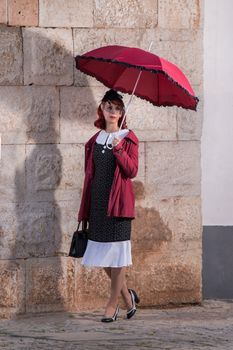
(168, 104)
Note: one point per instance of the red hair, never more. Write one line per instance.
(100, 122)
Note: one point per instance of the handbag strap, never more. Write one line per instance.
(84, 224)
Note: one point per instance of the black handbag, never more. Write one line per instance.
(79, 241)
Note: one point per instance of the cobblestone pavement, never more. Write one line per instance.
(209, 326)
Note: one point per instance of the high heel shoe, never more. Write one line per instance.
(113, 318)
(135, 300)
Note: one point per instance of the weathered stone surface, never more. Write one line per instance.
(38, 230)
(129, 14)
(170, 43)
(23, 12)
(187, 219)
(89, 39)
(173, 169)
(12, 173)
(12, 102)
(149, 231)
(151, 123)
(53, 172)
(8, 228)
(70, 186)
(11, 56)
(205, 326)
(163, 255)
(48, 56)
(3, 11)
(168, 236)
(50, 284)
(78, 113)
(71, 13)
(189, 123)
(12, 291)
(44, 171)
(42, 115)
(29, 114)
(167, 282)
(179, 14)
(171, 228)
(92, 287)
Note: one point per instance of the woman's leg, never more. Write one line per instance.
(124, 290)
(118, 285)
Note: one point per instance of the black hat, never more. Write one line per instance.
(111, 95)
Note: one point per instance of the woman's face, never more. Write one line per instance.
(112, 112)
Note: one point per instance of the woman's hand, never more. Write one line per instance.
(115, 141)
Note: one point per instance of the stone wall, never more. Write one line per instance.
(47, 110)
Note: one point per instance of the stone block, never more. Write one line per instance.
(89, 39)
(12, 291)
(173, 169)
(11, 56)
(44, 171)
(70, 186)
(187, 219)
(3, 11)
(171, 227)
(29, 114)
(53, 172)
(92, 287)
(151, 123)
(165, 282)
(50, 284)
(179, 14)
(78, 113)
(156, 232)
(189, 123)
(48, 56)
(71, 13)
(166, 251)
(125, 14)
(13, 128)
(170, 43)
(23, 12)
(175, 220)
(12, 173)
(38, 230)
(8, 229)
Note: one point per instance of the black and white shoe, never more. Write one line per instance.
(113, 318)
(135, 300)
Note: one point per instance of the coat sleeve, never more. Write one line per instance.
(85, 157)
(128, 162)
(87, 154)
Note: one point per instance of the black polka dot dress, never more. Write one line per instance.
(109, 242)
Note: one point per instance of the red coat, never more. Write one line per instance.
(121, 199)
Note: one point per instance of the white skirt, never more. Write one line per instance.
(107, 254)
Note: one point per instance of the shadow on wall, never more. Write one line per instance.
(47, 156)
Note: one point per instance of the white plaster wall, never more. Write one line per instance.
(217, 135)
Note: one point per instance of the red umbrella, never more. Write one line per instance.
(119, 67)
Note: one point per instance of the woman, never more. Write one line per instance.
(111, 160)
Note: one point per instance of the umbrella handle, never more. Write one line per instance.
(131, 97)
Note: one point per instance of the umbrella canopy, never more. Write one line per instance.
(161, 82)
